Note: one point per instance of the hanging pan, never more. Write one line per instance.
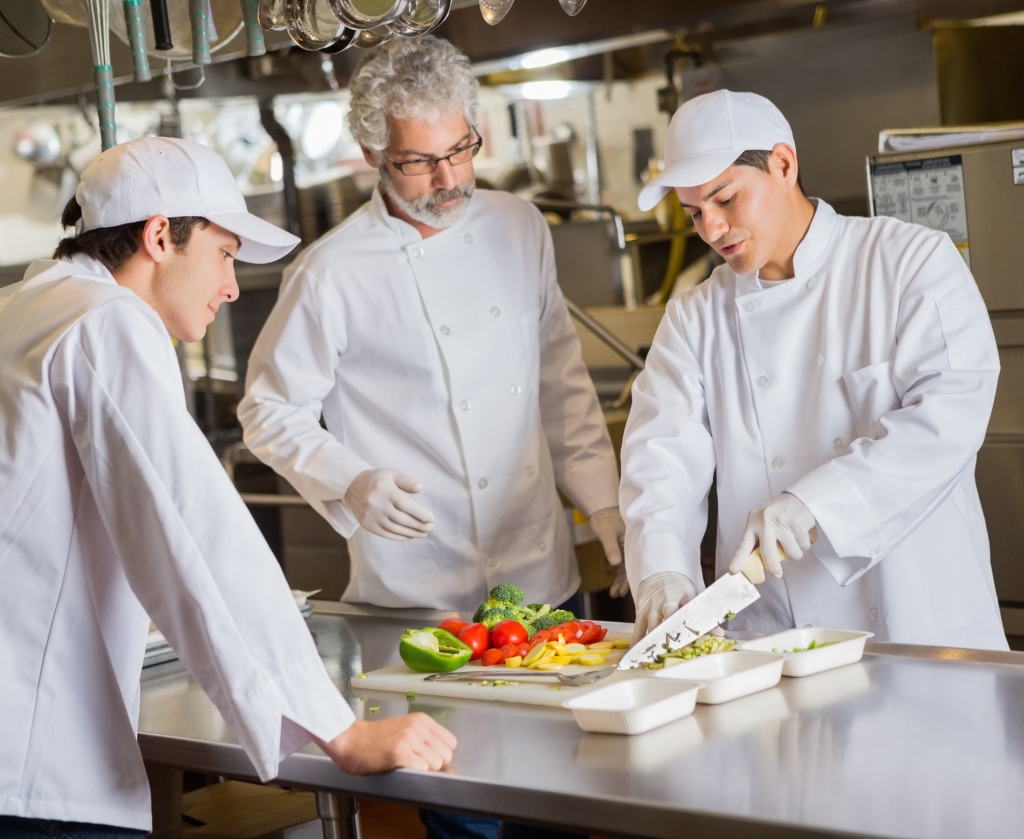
(25, 28)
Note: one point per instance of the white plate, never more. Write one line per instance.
(728, 676)
(847, 649)
(634, 706)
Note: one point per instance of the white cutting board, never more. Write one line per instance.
(530, 691)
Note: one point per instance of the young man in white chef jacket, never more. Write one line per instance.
(836, 373)
(113, 508)
(429, 331)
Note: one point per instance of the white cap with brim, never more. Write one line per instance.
(708, 133)
(164, 176)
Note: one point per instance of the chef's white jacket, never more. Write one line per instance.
(453, 359)
(112, 506)
(863, 386)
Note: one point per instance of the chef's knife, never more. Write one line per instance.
(719, 602)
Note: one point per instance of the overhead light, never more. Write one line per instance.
(546, 90)
(544, 58)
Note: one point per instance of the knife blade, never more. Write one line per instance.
(726, 596)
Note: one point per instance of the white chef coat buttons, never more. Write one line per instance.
(469, 239)
(748, 307)
(464, 404)
(821, 360)
(778, 463)
(838, 443)
(495, 311)
(541, 547)
(445, 330)
(762, 381)
(530, 471)
(417, 252)
(810, 283)
(873, 613)
(482, 483)
(514, 389)
(492, 562)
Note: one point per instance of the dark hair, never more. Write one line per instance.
(114, 246)
(759, 160)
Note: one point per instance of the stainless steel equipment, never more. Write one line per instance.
(976, 194)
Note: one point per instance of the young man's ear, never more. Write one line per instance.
(156, 238)
(783, 161)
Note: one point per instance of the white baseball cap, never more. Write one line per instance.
(708, 133)
(163, 176)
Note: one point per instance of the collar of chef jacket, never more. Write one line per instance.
(809, 253)
(47, 270)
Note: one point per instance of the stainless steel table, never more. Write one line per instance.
(910, 742)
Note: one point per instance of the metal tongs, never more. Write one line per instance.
(577, 680)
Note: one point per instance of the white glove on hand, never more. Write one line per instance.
(659, 596)
(379, 499)
(620, 588)
(783, 520)
(610, 529)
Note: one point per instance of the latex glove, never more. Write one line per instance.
(784, 520)
(659, 596)
(413, 741)
(380, 501)
(620, 588)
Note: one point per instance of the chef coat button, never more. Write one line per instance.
(464, 404)
(482, 483)
(530, 471)
(762, 381)
(514, 389)
(492, 562)
(778, 463)
(873, 613)
(541, 547)
(495, 311)
(445, 330)
(469, 239)
(748, 307)
(838, 443)
(821, 360)
(418, 252)
(810, 283)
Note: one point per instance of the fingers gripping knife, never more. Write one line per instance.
(719, 602)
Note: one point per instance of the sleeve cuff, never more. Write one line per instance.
(663, 551)
(593, 488)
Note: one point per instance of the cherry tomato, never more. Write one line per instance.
(543, 634)
(508, 632)
(524, 649)
(453, 625)
(476, 637)
(534, 642)
(590, 632)
(570, 631)
(509, 651)
(604, 631)
(491, 657)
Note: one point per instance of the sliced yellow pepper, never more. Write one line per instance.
(514, 661)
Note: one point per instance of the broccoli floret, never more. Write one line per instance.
(507, 593)
(492, 617)
(562, 615)
(536, 607)
(543, 622)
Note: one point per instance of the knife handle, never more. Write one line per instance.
(753, 568)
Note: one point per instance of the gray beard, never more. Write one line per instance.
(425, 209)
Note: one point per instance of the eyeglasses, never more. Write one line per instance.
(427, 165)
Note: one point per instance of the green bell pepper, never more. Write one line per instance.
(432, 650)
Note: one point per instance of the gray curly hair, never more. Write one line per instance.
(409, 79)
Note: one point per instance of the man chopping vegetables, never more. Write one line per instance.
(114, 508)
(429, 333)
(837, 375)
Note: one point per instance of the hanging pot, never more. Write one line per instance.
(368, 14)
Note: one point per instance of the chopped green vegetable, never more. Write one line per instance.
(492, 617)
(504, 602)
(708, 645)
(410, 694)
(557, 688)
(361, 676)
(814, 645)
(730, 615)
(375, 710)
(500, 683)
(432, 650)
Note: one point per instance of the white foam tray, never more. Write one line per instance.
(728, 676)
(634, 706)
(848, 649)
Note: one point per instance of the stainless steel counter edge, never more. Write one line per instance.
(609, 815)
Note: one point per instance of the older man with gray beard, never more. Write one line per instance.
(429, 332)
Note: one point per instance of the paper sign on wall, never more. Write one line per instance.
(929, 192)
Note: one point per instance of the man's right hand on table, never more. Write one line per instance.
(659, 596)
(412, 741)
(380, 499)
